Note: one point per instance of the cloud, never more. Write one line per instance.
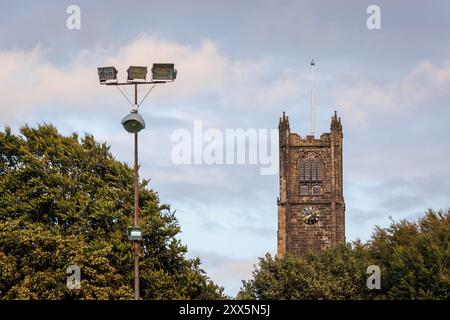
(400, 197)
(30, 79)
(362, 98)
(410, 193)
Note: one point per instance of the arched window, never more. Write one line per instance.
(310, 174)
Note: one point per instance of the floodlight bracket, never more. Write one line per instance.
(134, 83)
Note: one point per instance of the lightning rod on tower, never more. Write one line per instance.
(312, 98)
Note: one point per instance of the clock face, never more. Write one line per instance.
(310, 215)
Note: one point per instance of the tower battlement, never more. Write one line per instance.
(296, 139)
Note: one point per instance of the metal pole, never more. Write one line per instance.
(136, 208)
(312, 99)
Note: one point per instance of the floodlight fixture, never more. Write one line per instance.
(136, 73)
(164, 71)
(107, 74)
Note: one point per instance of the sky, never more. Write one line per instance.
(240, 65)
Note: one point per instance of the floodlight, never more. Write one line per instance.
(136, 73)
(133, 122)
(134, 233)
(164, 71)
(107, 74)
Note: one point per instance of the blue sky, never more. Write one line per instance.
(240, 65)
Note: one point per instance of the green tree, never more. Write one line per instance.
(414, 259)
(67, 201)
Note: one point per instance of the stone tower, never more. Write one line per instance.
(311, 208)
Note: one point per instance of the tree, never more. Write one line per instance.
(67, 201)
(414, 259)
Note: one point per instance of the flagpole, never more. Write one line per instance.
(312, 99)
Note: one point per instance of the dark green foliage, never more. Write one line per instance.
(414, 259)
(66, 200)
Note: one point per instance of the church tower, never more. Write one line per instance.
(311, 208)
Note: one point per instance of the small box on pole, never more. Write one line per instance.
(134, 233)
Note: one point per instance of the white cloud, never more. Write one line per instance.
(30, 80)
(362, 97)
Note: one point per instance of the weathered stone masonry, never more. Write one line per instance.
(310, 176)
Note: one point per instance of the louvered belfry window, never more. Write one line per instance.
(310, 175)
